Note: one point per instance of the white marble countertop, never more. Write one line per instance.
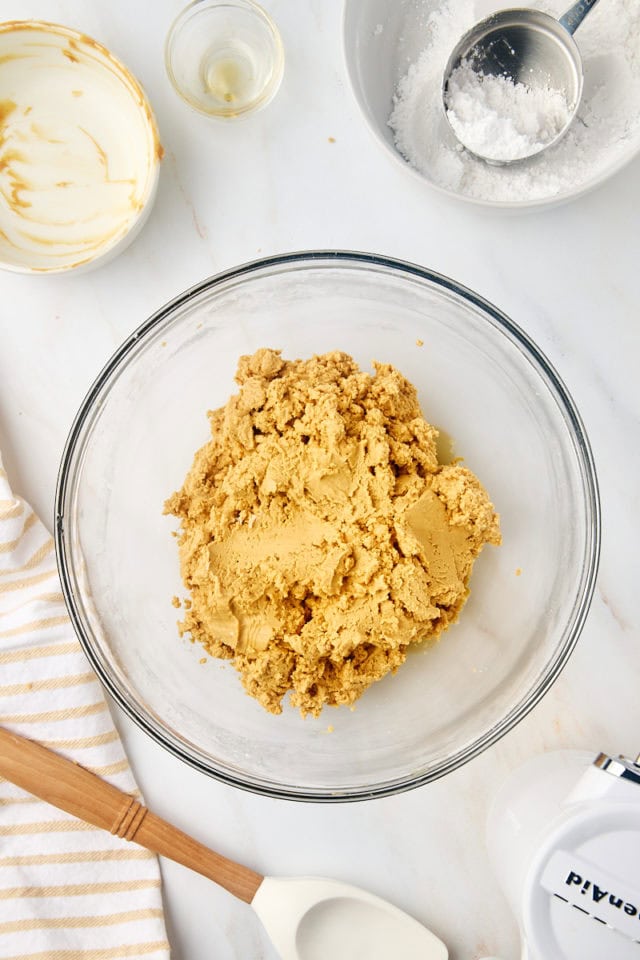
(277, 182)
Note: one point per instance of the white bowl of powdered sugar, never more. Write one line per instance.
(396, 53)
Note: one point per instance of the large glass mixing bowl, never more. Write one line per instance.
(480, 379)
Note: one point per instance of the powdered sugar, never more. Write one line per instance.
(605, 132)
(502, 120)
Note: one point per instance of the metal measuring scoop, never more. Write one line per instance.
(528, 47)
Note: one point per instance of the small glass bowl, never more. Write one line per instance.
(224, 57)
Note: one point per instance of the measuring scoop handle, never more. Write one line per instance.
(77, 791)
(576, 14)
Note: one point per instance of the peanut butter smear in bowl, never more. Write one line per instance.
(79, 150)
(320, 535)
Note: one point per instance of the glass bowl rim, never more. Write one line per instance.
(279, 263)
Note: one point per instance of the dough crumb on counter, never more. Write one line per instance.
(320, 536)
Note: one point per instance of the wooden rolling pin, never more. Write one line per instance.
(77, 791)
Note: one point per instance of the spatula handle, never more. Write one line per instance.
(77, 791)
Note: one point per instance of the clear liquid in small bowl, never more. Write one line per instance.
(231, 74)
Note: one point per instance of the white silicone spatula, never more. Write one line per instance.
(307, 918)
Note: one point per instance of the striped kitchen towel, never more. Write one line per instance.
(68, 891)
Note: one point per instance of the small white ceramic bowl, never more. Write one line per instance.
(383, 38)
(79, 150)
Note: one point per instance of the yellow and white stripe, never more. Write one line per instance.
(67, 890)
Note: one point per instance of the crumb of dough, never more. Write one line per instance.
(518, 571)
(202, 660)
(320, 536)
(419, 343)
(176, 602)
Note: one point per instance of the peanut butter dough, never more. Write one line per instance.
(320, 536)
